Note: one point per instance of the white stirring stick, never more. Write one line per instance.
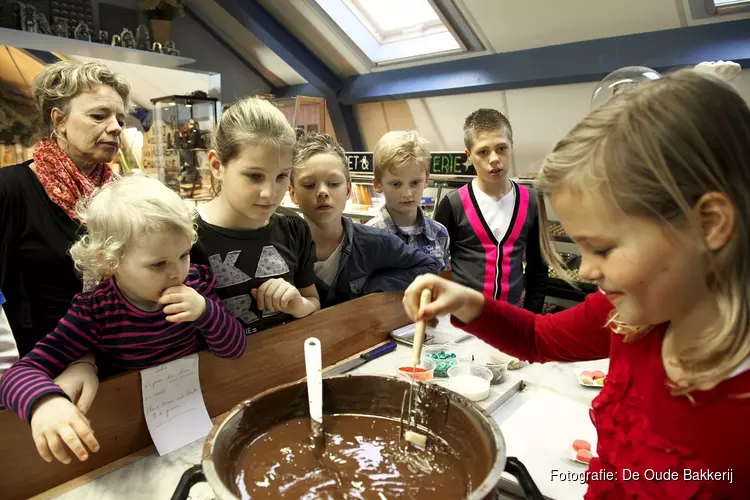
(313, 367)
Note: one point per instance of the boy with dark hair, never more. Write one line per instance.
(493, 221)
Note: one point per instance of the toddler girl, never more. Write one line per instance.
(653, 187)
(146, 305)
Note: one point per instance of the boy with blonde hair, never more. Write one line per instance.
(401, 163)
(352, 259)
(493, 221)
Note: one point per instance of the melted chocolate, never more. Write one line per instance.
(362, 460)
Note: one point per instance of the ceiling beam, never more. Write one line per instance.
(258, 21)
(199, 19)
(556, 65)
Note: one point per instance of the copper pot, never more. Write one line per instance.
(463, 425)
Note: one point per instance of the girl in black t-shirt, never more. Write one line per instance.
(263, 261)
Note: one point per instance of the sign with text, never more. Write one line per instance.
(449, 163)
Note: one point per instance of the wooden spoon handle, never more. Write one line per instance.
(419, 330)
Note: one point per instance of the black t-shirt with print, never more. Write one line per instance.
(243, 259)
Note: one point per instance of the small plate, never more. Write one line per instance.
(572, 452)
(573, 457)
(586, 383)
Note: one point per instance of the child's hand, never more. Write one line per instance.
(80, 383)
(183, 304)
(56, 426)
(277, 295)
(447, 298)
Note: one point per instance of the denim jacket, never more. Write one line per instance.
(373, 260)
(431, 237)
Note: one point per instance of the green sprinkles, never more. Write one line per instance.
(443, 362)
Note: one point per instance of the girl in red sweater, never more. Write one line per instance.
(653, 187)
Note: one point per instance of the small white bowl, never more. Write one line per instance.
(498, 369)
(471, 381)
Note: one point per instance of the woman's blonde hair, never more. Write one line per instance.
(120, 212)
(654, 151)
(317, 144)
(250, 122)
(58, 83)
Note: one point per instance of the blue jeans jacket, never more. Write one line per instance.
(373, 260)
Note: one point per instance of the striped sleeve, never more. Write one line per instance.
(31, 378)
(223, 333)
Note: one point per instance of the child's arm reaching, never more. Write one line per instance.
(80, 381)
(196, 301)
(395, 264)
(27, 388)
(300, 298)
(31, 378)
(577, 334)
(279, 295)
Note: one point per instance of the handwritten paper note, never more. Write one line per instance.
(173, 404)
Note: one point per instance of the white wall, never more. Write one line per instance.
(540, 116)
(518, 25)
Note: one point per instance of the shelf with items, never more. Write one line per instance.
(73, 47)
(177, 143)
(558, 287)
(13, 151)
(558, 233)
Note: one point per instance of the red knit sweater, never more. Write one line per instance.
(641, 427)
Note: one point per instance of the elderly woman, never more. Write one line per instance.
(81, 110)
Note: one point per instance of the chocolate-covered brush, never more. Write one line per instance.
(416, 355)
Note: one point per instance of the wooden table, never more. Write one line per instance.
(273, 357)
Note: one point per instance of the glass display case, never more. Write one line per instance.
(306, 114)
(179, 143)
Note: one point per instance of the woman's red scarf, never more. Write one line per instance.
(64, 183)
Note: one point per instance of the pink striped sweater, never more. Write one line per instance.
(122, 336)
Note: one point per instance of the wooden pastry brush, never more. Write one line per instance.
(419, 331)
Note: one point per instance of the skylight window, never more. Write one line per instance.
(414, 18)
(393, 30)
(723, 3)
(701, 9)
(728, 6)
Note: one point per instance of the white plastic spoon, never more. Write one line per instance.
(313, 367)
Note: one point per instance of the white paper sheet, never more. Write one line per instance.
(173, 404)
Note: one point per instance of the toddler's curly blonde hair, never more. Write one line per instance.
(119, 213)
